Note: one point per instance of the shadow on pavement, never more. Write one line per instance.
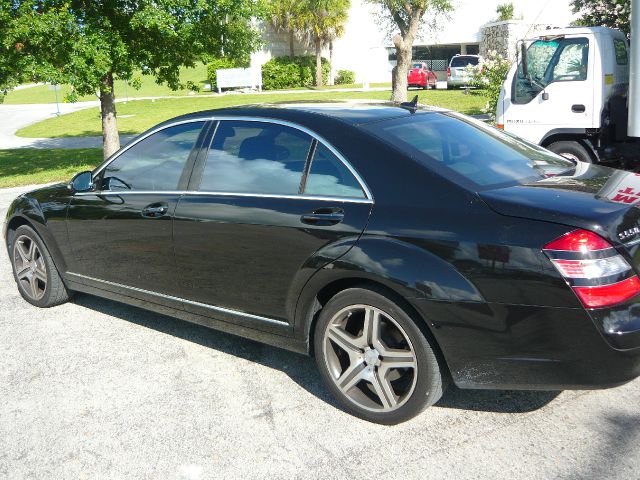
(300, 368)
(498, 401)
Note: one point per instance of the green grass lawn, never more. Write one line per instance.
(27, 166)
(137, 116)
(149, 88)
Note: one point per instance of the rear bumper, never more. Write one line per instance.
(457, 82)
(497, 346)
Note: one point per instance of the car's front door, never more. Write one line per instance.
(121, 233)
(264, 200)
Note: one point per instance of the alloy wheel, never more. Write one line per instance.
(370, 358)
(30, 267)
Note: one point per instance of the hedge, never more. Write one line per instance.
(345, 77)
(285, 72)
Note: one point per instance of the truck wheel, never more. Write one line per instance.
(571, 150)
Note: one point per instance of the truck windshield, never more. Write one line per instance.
(548, 61)
(469, 152)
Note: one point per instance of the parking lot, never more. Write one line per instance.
(97, 389)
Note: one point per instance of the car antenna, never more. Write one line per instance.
(412, 106)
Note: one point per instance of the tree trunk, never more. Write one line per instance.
(110, 138)
(399, 81)
(291, 41)
(332, 72)
(404, 45)
(318, 63)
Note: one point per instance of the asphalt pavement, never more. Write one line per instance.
(96, 389)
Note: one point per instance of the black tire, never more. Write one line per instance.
(53, 291)
(427, 381)
(571, 150)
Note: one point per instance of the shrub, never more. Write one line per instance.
(345, 77)
(285, 72)
(489, 76)
(218, 64)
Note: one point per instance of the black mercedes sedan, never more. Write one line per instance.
(405, 248)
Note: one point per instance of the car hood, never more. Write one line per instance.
(597, 198)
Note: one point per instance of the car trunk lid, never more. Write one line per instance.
(596, 198)
(415, 75)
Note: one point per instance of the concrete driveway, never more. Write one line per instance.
(96, 389)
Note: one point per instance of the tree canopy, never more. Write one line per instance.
(505, 11)
(86, 43)
(321, 22)
(605, 13)
(284, 17)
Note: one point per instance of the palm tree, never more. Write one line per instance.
(321, 22)
(283, 15)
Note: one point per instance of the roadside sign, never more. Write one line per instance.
(239, 77)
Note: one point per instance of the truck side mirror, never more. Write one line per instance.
(523, 59)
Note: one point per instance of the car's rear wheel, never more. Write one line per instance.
(35, 273)
(374, 358)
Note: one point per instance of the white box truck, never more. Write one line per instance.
(576, 91)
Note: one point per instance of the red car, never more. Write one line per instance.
(422, 77)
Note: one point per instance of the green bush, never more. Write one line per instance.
(218, 64)
(489, 76)
(285, 72)
(345, 77)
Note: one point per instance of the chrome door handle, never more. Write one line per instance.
(155, 210)
(323, 217)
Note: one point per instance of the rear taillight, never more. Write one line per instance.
(448, 71)
(596, 272)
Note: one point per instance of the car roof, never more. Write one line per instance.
(351, 112)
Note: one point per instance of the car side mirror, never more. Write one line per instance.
(81, 182)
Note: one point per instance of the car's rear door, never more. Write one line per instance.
(262, 202)
(121, 233)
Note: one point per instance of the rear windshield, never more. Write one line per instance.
(464, 61)
(468, 151)
(417, 65)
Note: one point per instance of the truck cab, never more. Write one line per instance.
(572, 96)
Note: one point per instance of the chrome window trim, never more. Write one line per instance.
(313, 135)
(184, 300)
(228, 194)
(144, 136)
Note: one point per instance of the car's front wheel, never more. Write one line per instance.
(374, 358)
(35, 273)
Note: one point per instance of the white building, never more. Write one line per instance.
(366, 49)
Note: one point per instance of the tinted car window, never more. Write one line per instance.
(155, 163)
(255, 157)
(464, 61)
(330, 177)
(471, 152)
